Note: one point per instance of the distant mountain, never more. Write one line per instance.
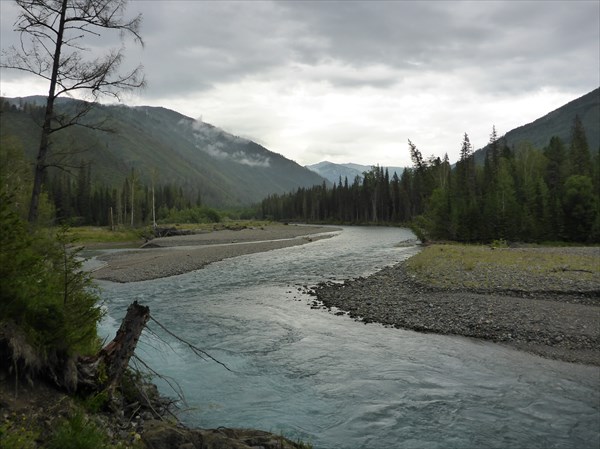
(225, 169)
(558, 123)
(333, 172)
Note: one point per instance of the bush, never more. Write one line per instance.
(15, 435)
(199, 214)
(78, 433)
(43, 290)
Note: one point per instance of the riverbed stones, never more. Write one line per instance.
(165, 435)
(171, 256)
(561, 323)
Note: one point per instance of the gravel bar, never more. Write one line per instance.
(170, 256)
(559, 324)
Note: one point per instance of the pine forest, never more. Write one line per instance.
(518, 194)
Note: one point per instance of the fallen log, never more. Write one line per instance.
(169, 232)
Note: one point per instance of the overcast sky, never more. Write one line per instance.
(352, 81)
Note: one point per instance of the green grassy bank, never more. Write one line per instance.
(457, 266)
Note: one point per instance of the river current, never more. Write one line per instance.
(336, 383)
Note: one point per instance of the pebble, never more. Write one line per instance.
(555, 324)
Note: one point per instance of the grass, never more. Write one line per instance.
(225, 224)
(78, 432)
(450, 266)
(96, 235)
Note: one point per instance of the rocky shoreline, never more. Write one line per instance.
(562, 324)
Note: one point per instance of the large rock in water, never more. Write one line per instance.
(165, 435)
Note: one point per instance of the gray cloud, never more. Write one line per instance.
(304, 76)
(196, 45)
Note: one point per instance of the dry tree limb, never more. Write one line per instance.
(199, 352)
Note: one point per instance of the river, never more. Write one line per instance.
(309, 374)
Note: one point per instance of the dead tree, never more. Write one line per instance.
(117, 353)
(113, 359)
(51, 47)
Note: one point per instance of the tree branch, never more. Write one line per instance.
(195, 349)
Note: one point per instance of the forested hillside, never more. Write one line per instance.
(558, 123)
(152, 146)
(520, 193)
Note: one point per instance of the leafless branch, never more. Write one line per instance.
(52, 36)
(199, 352)
(172, 383)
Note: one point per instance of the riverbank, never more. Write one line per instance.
(170, 256)
(551, 308)
(36, 415)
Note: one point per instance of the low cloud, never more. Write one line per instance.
(221, 145)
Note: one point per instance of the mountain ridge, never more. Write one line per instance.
(557, 123)
(163, 145)
(226, 170)
(333, 171)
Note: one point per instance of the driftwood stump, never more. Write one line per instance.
(114, 357)
(117, 353)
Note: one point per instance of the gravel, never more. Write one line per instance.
(170, 256)
(558, 322)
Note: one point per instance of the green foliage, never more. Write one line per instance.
(95, 234)
(78, 432)
(198, 214)
(165, 147)
(96, 402)
(522, 195)
(580, 158)
(43, 289)
(130, 384)
(459, 266)
(499, 243)
(580, 207)
(514, 194)
(420, 226)
(15, 433)
(559, 123)
(17, 179)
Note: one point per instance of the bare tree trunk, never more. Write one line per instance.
(132, 191)
(153, 208)
(114, 356)
(117, 353)
(40, 164)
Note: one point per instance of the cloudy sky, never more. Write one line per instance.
(352, 81)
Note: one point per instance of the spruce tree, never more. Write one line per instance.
(579, 152)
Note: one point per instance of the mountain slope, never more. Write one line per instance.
(225, 169)
(558, 123)
(333, 172)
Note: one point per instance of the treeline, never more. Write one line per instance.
(71, 196)
(517, 194)
(79, 201)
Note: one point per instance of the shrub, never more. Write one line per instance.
(198, 214)
(78, 432)
(14, 434)
(43, 291)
